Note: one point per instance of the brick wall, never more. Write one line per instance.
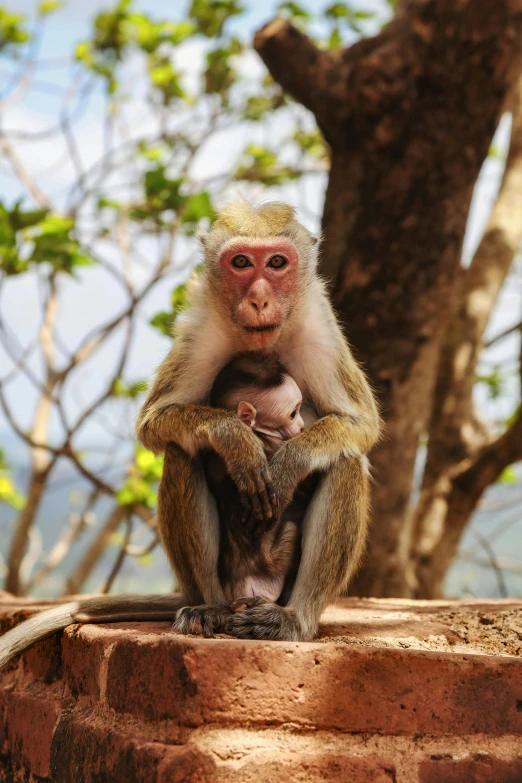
(391, 691)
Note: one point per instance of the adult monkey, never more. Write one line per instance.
(259, 291)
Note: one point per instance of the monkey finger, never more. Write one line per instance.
(245, 502)
(208, 628)
(272, 497)
(265, 503)
(250, 524)
(257, 509)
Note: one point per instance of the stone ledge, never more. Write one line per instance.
(390, 691)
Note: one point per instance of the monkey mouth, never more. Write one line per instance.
(261, 328)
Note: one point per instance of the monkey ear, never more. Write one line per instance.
(247, 413)
(203, 237)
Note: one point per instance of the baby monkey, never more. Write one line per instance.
(254, 562)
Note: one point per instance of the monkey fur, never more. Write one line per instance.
(251, 564)
(259, 290)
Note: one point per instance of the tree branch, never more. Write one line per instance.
(301, 69)
(20, 171)
(506, 333)
(84, 568)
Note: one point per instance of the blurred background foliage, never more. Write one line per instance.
(113, 155)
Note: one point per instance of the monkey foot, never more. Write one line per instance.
(206, 620)
(257, 618)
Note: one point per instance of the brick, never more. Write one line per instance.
(44, 661)
(482, 769)
(344, 688)
(85, 749)
(187, 765)
(306, 769)
(32, 719)
(83, 667)
(147, 706)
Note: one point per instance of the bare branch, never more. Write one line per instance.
(506, 333)
(22, 174)
(76, 524)
(98, 546)
(300, 67)
(493, 561)
(122, 554)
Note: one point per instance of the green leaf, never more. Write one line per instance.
(259, 164)
(198, 206)
(53, 242)
(210, 16)
(8, 491)
(12, 33)
(163, 322)
(509, 476)
(179, 297)
(293, 11)
(219, 74)
(337, 11)
(312, 143)
(108, 203)
(143, 477)
(166, 79)
(48, 6)
(161, 192)
(495, 152)
(511, 419)
(122, 389)
(335, 39)
(153, 153)
(494, 381)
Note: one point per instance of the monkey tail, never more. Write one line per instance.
(99, 609)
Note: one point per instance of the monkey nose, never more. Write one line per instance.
(259, 304)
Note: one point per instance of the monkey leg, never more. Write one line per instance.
(189, 529)
(334, 532)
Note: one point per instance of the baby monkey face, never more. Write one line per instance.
(275, 413)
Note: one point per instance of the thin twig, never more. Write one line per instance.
(493, 561)
(122, 554)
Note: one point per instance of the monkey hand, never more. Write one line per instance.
(287, 473)
(247, 466)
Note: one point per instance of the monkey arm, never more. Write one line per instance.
(318, 448)
(197, 427)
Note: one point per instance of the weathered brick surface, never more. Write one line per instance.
(86, 750)
(483, 769)
(314, 686)
(31, 721)
(405, 697)
(309, 769)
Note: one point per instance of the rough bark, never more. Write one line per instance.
(457, 437)
(409, 116)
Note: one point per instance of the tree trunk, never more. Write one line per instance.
(457, 437)
(409, 116)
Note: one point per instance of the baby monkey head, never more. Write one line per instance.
(259, 260)
(265, 397)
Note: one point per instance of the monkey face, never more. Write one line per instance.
(273, 413)
(260, 286)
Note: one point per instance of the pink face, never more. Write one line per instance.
(260, 284)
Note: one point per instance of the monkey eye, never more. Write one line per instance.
(240, 262)
(293, 414)
(277, 262)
